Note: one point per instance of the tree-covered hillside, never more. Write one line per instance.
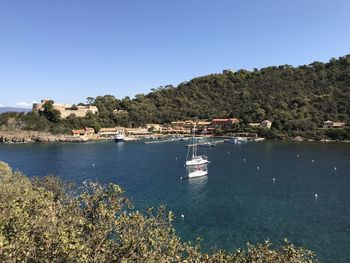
(297, 99)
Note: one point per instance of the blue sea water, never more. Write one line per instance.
(236, 203)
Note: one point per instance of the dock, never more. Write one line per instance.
(215, 142)
(160, 141)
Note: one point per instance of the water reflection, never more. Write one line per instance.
(198, 183)
(197, 189)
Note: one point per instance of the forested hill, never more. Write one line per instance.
(298, 97)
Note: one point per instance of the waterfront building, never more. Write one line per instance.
(111, 132)
(224, 123)
(137, 131)
(154, 127)
(331, 124)
(89, 131)
(79, 132)
(84, 132)
(203, 126)
(181, 126)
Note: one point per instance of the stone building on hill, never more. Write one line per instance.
(68, 109)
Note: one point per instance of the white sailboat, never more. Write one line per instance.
(195, 159)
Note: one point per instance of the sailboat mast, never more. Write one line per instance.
(194, 153)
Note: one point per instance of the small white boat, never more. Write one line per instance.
(119, 138)
(242, 139)
(207, 143)
(197, 173)
(238, 140)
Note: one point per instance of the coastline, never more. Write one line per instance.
(23, 137)
(20, 136)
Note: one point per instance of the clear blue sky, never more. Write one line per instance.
(68, 50)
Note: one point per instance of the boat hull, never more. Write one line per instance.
(197, 174)
(119, 138)
(196, 162)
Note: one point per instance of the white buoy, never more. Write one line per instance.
(313, 160)
(274, 179)
(228, 152)
(258, 168)
(243, 159)
(181, 177)
(176, 158)
(335, 168)
(93, 165)
(298, 155)
(182, 216)
(316, 196)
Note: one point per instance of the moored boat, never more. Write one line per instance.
(197, 173)
(119, 138)
(195, 159)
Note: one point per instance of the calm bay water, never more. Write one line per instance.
(236, 203)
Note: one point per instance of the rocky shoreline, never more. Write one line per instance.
(35, 136)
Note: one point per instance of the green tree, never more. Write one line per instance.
(50, 113)
(90, 100)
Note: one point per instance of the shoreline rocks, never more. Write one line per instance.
(16, 137)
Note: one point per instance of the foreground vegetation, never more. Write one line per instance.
(297, 99)
(45, 220)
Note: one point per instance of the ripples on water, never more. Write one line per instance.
(235, 203)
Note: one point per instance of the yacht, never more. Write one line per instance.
(119, 138)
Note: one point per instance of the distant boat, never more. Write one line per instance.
(119, 138)
(207, 143)
(258, 139)
(195, 159)
(242, 139)
(238, 140)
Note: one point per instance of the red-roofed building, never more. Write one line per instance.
(78, 132)
(224, 122)
(89, 131)
(84, 132)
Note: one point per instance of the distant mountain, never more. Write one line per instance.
(13, 109)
